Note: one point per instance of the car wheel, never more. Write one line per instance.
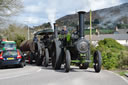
(1, 67)
(21, 65)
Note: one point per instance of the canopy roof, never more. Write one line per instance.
(43, 32)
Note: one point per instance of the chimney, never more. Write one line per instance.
(55, 30)
(81, 23)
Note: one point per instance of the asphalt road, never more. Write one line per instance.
(34, 75)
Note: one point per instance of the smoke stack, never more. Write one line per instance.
(55, 30)
(81, 23)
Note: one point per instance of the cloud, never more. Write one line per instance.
(100, 4)
(33, 9)
(41, 11)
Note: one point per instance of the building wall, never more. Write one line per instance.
(122, 42)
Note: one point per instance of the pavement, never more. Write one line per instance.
(38, 75)
(126, 74)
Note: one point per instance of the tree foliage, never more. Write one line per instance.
(15, 33)
(9, 8)
(19, 39)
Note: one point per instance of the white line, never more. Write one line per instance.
(19, 75)
(124, 79)
(15, 76)
(39, 70)
(118, 76)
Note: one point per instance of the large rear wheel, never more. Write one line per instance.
(97, 61)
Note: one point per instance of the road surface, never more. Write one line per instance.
(34, 75)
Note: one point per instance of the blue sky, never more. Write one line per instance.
(37, 12)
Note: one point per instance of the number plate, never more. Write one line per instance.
(10, 58)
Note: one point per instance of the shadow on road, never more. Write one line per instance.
(73, 69)
(9, 67)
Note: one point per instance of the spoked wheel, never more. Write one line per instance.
(46, 58)
(39, 59)
(30, 58)
(67, 61)
(97, 61)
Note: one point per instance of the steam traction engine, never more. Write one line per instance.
(76, 49)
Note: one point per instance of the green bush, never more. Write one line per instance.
(19, 39)
(93, 49)
(123, 60)
(110, 51)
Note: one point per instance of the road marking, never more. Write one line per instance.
(118, 76)
(39, 70)
(124, 79)
(25, 74)
(15, 76)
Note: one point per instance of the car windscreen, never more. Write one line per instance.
(9, 45)
(10, 53)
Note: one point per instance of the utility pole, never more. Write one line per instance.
(28, 33)
(90, 27)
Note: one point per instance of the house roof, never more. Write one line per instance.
(113, 36)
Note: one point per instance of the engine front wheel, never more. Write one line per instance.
(97, 61)
(67, 61)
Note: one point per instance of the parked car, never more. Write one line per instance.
(12, 58)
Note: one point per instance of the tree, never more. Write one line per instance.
(9, 8)
(96, 21)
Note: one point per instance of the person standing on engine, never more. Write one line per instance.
(65, 35)
(64, 31)
(35, 39)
